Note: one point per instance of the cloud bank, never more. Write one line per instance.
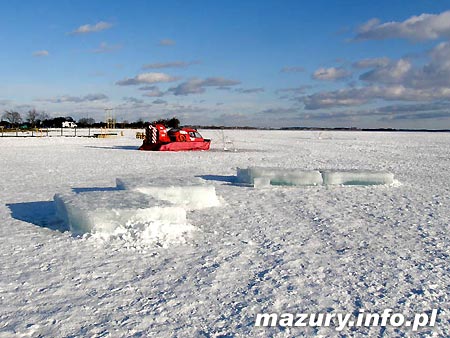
(415, 28)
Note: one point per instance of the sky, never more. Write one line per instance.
(349, 63)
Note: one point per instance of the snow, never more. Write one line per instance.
(357, 177)
(284, 249)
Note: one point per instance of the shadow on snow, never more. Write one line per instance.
(43, 213)
(115, 147)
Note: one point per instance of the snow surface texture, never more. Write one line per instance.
(130, 216)
(263, 177)
(190, 193)
(285, 249)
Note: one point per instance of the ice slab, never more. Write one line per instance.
(131, 183)
(261, 182)
(279, 176)
(356, 177)
(107, 211)
(261, 177)
(191, 193)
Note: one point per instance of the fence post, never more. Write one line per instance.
(75, 131)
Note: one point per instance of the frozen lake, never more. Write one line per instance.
(279, 249)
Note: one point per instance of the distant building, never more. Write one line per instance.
(68, 124)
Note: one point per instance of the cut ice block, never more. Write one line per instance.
(261, 182)
(131, 183)
(190, 193)
(279, 176)
(356, 177)
(105, 211)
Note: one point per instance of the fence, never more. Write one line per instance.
(53, 132)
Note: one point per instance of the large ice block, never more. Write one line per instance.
(105, 211)
(356, 177)
(279, 176)
(191, 193)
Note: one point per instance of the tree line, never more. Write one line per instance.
(34, 119)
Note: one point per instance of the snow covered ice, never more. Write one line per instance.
(284, 249)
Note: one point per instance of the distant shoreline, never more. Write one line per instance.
(323, 129)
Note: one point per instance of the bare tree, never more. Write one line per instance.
(43, 116)
(12, 117)
(86, 122)
(40, 118)
(32, 117)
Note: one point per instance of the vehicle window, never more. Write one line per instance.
(192, 134)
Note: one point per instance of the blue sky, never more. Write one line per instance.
(258, 63)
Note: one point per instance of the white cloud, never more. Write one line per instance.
(99, 26)
(40, 53)
(434, 74)
(174, 64)
(197, 86)
(440, 58)
(361, 95)
(76, 99)
(249, 90)
(393, 72)
(295, 90)
(130, 99)
(422, 27)
(371, 63)
(331, 74)
(147, 78)
(159, 101)
(153, 91)
(396, 80)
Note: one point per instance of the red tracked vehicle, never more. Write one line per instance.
(158, 138)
